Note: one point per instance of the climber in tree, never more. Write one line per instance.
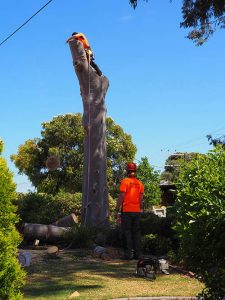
(90, 55)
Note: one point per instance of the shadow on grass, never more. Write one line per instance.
(55, 277)
(112, 268)
(70, 264)
(54, 288)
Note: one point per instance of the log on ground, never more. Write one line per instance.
(44, 233)
(67, 221)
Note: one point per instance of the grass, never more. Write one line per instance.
(57, 279)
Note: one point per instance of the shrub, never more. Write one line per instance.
(162, 230)
(151, 223)
(46, 209)
(201, 219)
(81, 236)
(67, 203)
(35, 208)
(155, 245)
(11, 274)
(112, 206)
(114, 237)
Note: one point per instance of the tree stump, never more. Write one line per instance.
(93, 89)
(52, 252)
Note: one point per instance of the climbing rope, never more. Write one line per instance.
(89, 138)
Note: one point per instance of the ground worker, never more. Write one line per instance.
(90, 55)
(130, 204)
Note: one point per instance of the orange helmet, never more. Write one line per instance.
(131, 167)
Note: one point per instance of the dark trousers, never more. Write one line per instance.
(90, 57)
(95, 66)
(131, 233)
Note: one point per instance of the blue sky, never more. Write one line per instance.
(164, 91)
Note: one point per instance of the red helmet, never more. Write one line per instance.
(131, 167)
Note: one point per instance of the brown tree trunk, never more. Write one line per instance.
(93, 89)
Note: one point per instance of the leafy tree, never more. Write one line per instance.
(216, 141)
(201, 219)
(62, 137)
(150, 179)
(11, 274)
(173, 163)
(203, 16)
(120, 150)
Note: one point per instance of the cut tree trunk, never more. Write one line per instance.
(67, 221)
(93, 89)
(44, 233)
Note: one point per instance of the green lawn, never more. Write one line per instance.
(57, 279)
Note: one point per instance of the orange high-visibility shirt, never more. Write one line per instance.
(81, 37)
(132, 188)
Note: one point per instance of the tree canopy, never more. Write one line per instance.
(150, 178)
(11, 274)
(216, 141)
(200, 209)
(62, 137)
(173, 164)
(202, 16)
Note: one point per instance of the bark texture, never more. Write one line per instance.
(44, 233)
(93, 89)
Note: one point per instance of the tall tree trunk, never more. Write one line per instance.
(93, 89)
